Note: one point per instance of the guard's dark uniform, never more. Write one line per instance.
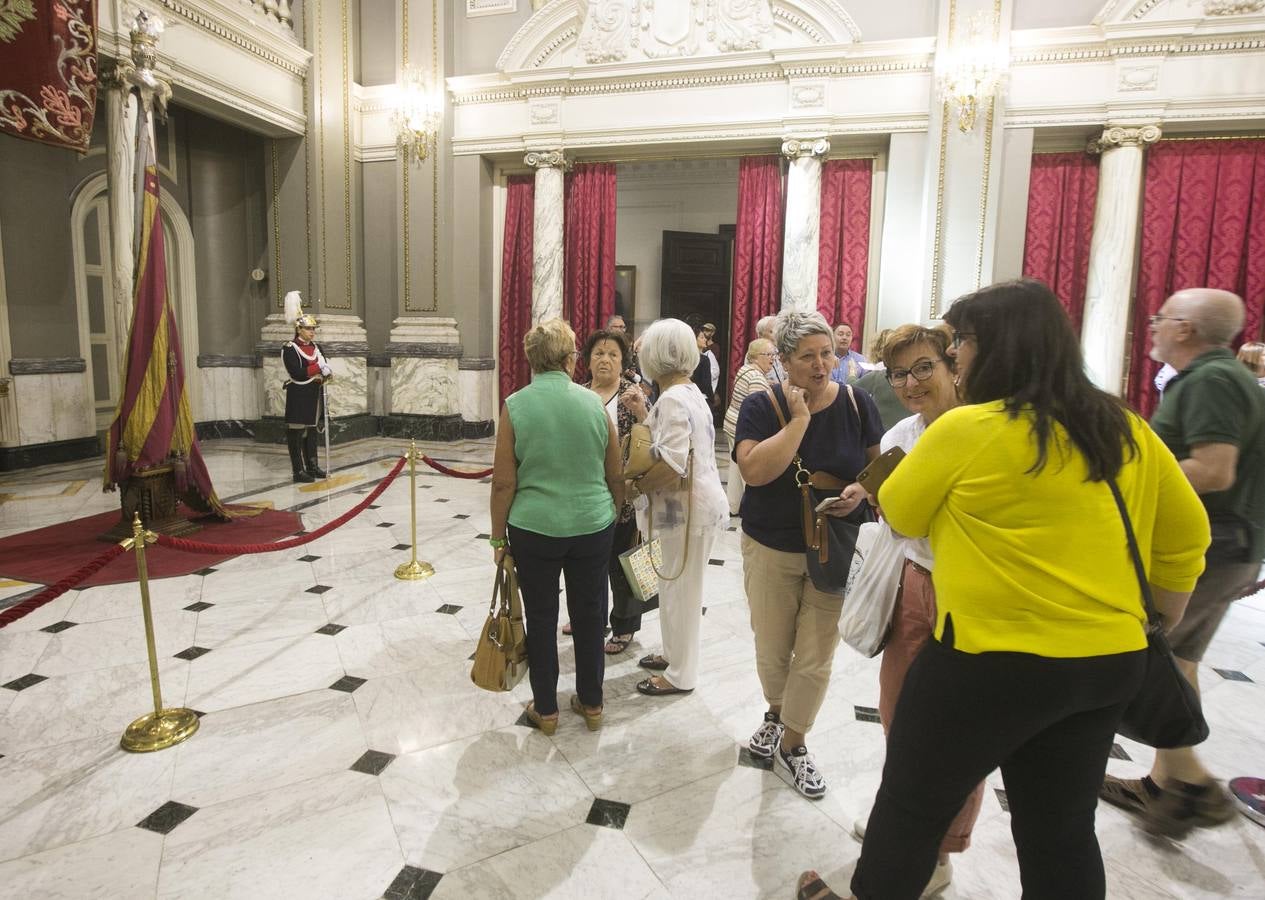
(304, 406)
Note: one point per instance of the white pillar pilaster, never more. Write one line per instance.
(1112, 250)
(546, 273)
(802, 236)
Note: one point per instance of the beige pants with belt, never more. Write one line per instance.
(796, 631)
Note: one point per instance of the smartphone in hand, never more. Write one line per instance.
(827, 503)
(873, 475)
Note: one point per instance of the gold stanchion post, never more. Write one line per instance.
(162, 728)
(414, 570)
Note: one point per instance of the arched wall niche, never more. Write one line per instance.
(594, 32)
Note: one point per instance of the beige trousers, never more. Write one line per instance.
(796, 631)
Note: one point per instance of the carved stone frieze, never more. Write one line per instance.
(1233, 7)
(618, 30)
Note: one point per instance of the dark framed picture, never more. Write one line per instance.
(626, 293)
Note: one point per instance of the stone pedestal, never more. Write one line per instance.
(424, 399)
(802, 239)
(476, 379)
(342, 340)
(1112, 251)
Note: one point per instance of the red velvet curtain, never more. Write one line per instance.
(588, 294)
(843, 259)
(516, 269)
(1203, 225)
(1062, 189)
(757, 278)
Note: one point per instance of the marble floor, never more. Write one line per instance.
(344, 753)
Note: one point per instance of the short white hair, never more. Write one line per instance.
(765, 324)
(793, 327)
(668, 347)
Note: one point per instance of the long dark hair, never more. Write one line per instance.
(1028, 356)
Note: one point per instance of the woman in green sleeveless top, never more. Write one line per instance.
(557, 482)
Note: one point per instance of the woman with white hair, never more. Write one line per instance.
(751, 377)
(686, 514)
(830, 431)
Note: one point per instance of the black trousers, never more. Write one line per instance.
(1047, 723)
(622, 597)
(582, 561)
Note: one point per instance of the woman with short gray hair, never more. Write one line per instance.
(683, 515)
(833, 431)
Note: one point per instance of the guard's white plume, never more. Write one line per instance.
(293, 307)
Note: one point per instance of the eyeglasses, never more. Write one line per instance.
(1157, 319)
(770, 354)
(960, 336)
(920, 370)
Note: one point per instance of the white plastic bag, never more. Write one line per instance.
(871, 595)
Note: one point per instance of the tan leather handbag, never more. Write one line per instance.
(642, 468)
(500, 656)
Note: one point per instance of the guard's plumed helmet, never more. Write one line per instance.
(294, 312)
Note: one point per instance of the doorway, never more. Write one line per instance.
(695, 286)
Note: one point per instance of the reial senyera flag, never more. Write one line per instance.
(48, 70)
(153, 425)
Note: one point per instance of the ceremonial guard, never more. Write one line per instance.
(305, 391)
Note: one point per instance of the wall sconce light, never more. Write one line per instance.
(419, 110)
(971, 70)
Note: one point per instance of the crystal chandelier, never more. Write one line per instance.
(419, 110)
(970, 72)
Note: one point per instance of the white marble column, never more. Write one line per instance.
(546, 272)
(802, 234)
(1112, 250)
(121, 113)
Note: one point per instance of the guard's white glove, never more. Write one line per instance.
(326, 371)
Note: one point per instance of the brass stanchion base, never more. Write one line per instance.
(414, 571)
(158, 731)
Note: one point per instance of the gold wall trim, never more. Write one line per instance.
(307, 195)
(276, 229)
(320, 142)
(937, 261)
(347, 240)
(434, 232)
(985, 178)
(1213, 137)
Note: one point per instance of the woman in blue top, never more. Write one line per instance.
(557, 481)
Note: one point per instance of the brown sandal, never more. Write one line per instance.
(811, 887)
(619, 642)
(653, 662)
(591, 719)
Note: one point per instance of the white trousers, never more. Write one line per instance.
(735, 486)
(681, 608)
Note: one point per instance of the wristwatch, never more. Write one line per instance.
(498, 543)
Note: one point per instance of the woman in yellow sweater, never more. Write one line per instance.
(1039, 632)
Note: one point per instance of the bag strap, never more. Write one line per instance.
(689, 508)
(1148, 602)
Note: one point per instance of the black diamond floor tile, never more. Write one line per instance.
(402, 547)
(470, 658)
(373, 506)
(318, 589)
(866, 714)
(207, 571)
(26, 681)
(197, 712)
(1001, 798)
(199, 606)
(372, 762)
(1227, 674)
(448, 609)
(608, 813)
(164, 819)
(482, 537)
(749, 759)
(715, 562)
(385, 524)
(191, 653)
(441, 499)
(59, 626)
(347, 683)
(412, 884)
(309, 558)
(704, 610)
(331, 629)
(461, 516)
(1118, 752)
(523, 722)
(731, 528)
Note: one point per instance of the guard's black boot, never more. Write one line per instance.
(294, 440)
(309, 453)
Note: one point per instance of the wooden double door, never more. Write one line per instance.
(696, 288)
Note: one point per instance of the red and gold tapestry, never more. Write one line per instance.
(48, 83)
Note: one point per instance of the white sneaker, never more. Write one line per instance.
(766, 737)
(804, 775)
(858, 828)
(940, 879)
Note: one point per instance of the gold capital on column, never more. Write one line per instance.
(1114, 136)
(796, 148)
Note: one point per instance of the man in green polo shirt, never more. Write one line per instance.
(1212, 416)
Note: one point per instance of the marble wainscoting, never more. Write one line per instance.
(230, 403)
(379, 383)
(476, 387)
(55, 419)
(425, 398)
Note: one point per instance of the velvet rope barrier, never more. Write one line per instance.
(53, 591)
(455, 473)
(188, 546)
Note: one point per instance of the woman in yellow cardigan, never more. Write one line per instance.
(1039, 634)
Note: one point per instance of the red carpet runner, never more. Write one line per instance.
(45, 555)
